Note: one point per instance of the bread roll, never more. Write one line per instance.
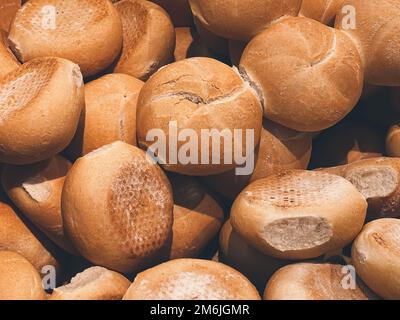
(280, 149)
(197, 217)
(95, 283)
(18, 236)
(237, 253)
(241, 20)
(109, 115)
(378, 180)
(376, 256)
(18, 278)
(8, 9)
(376, 32)
(191, 279)
(310, 76)
(236, 49)
(393, 141)
(198, 94)
(189, 44)
(321, 10)
(179, 11)
(149, 38)
(40, 105)
(299, 214)
(36, 191)
(347, 142)
(117, 207)
(87, 32)
(309, 281)
(7, 60)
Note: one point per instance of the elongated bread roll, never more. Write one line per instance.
(191, 279)
(95, 283)
(7, 60)
(87, 32)
(281, 215)
(36, 190)
(40, 105)
(376, 256)
(117, 207)
(149, 38)
(310, 76)
(19, 280)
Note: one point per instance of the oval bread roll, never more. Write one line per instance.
(281, 215)
(191, 279)
(117, 207)
(40, 105)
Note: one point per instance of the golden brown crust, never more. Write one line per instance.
(191, 279)
(8, 9)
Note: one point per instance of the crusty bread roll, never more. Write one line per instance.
(347, 142)
(237, 253)
(36, 190)
(7, 60)
(87, 32)
(197, 217)
(324, 11)
(310, 76)
(378, 180)
(393, 141)
(236, 49)
(179, 11)
(376, 256)
(40, 105)
(309, 281)
(281, 215)
(95, 283)
(191, 279)
(8, 9)
(375, 30)
(280, 149)
(241, 20)
(149, 38)
(109, 114)
(18, 236)
(19, 280)
(189, 44)
(198, 94)
(117, 207)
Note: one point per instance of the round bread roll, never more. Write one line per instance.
(19, 279)
(8, 62)
(8, 9)
(109, 114)
(197, 217)
(375, 28)
(299, 214)
(40, 105)
(179, 11)
(149, 38)
(95, 283)
(18, 236)
(309, 281)
(280, 149)
(117, 207)
(191, 279)
(36, 190)
(376, 256)
(378, 180)
(241, 20)
(347, 142)
(323, 11)
(189, 44)
(192, 96)
(236, 49)
(87, 32)
(237, 253)
(319, 79)
(393, 141)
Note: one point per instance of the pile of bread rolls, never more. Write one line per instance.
(87, 214)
